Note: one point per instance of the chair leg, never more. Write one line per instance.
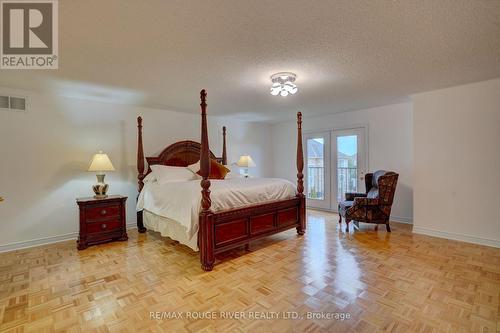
(387, 227)
(376, 227)
(347, 225)
(340, 214)
(355, 224)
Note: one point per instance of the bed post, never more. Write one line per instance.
(224, 153)
(206, 232)
(300, 178)
(140, 171)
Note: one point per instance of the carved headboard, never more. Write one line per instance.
(182, 154)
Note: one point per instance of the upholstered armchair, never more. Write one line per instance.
(374, 206)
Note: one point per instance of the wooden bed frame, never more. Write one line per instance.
(224, 230)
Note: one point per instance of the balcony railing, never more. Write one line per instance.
(347, 181)
(315, 182)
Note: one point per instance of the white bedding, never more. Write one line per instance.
(181, 201)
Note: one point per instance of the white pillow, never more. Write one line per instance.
(150, 178)
(165, 174)
(232, 175)
(194, 167)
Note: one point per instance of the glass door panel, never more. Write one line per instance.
(347, 165)
(349, 161)
(318, 170)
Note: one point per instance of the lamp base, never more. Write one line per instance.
(101, 188)
(245, 173)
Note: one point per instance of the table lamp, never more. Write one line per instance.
(100, 163)
(245, 162)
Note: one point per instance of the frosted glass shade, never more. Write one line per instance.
(245, 161)
(101, 162)
(283, 84)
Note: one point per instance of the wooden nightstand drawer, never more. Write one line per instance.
(103, 212)
(102, 220)
(104, 226)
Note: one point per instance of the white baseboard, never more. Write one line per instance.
(406, 220)
(38, 242)
(47, 240)
(457, 237)
(132, 225)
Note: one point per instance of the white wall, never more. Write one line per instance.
(46, 150)
(457, 162)
(444, 145)
(390, 146)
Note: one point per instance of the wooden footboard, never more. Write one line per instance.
(238, 227)
(222, 231)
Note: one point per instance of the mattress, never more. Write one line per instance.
(179, 203)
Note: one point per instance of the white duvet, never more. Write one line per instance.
(181, 201)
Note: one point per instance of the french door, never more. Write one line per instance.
(336, 163)
(349, 162)
(318, 182)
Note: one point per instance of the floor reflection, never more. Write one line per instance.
(346, 277)
(316, 251)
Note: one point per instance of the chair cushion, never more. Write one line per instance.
(373, 193)
(344, 206)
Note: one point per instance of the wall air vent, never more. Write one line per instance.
(18, 103)
(14, 103)
(4, 102)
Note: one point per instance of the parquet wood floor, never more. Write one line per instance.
(397, 282)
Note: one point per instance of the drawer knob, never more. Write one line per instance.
(103, 212)
(104, 226)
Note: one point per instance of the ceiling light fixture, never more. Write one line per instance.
(283, 84)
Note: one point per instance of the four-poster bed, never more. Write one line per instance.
(219, 231)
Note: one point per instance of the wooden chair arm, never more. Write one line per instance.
(365, 201)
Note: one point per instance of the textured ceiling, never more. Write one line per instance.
(347, 54)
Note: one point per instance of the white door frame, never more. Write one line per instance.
(310, 133)
(326, 202)
(362, 162)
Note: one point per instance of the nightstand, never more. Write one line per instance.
(102, 220)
